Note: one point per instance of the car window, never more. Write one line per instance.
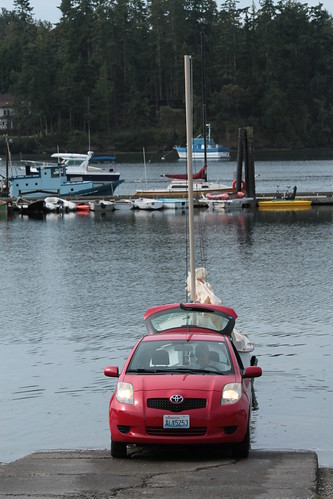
(181, 356)
(190, 317)
(180, 319)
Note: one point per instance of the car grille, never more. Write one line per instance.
(177, 432)
(187, 405)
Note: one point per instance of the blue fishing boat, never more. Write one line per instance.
(214, 151)
(52, 181)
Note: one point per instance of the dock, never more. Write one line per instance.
(180, 473)
(316, 198)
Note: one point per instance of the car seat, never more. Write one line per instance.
(160, 358)
(214, 356)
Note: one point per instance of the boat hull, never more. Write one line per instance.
(148, 204)
(227, 204)
(97, 178)
(174, 204)
(70, 190)
(124, 205)
(214, 154)
(30, 207)
(101, 206)
(3, 206)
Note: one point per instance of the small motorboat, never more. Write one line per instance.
(174, 204)
(124, 204)
(148, 204)
(101, 206)
(82, 208)
(29, 206)
(55, 205)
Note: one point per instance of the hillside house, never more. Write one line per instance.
(6, 112)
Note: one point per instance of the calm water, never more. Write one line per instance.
(74, 290)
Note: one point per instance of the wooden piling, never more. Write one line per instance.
(240, 155)
(250, 175)
(245, 153)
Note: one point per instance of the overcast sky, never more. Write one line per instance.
(47, 10)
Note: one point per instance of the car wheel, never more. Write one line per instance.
(241, 450)
(118, 449)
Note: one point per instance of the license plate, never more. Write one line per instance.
(176, 421)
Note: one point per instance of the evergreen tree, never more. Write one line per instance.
(117, 67)
(23, 10)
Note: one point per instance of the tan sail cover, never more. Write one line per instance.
(204, 294)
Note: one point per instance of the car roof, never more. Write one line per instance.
(190, 317)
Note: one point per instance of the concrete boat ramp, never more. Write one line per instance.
(186, 473)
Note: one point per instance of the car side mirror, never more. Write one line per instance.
(252, 372)
(111, 371)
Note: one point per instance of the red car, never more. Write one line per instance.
(183, 383)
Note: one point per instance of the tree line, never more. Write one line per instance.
(113, 70)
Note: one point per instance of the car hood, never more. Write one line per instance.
(188, 382)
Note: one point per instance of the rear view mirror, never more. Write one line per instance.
(252, 372)
(111, 371)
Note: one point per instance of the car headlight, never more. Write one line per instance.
(125, 393)
(231, 393)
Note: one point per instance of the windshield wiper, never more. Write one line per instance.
(189, 370)
(185, 370)
(146, 371)
(182, 370)
(130, 371)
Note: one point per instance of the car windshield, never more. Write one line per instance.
(179, 356)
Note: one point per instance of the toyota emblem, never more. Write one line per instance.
(176, 399)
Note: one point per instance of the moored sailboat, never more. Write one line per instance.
(198, 289)
(184, 382)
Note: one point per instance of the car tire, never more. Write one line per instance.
(241, 450)
(118, 450)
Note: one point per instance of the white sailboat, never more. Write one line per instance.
(144, 203)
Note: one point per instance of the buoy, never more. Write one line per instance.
(242, 185)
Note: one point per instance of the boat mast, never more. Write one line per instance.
(7, 160)
(204, 126)
(88, 105)
(144, 165)
(189, 138)
(5, 185)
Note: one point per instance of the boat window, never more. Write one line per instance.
(73, 162)
(55, 172)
